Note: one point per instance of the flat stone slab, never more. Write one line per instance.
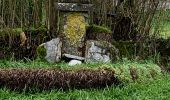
(73, 57)
(74, 7)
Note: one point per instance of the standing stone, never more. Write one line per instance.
(52, 50)
(73, 30)
(73, 21)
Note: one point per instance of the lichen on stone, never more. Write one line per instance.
(75, 27)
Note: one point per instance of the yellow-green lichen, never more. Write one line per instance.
(75, 27)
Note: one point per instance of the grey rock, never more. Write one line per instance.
(53, 50)
(74, 62)
(106, 58)
(94, 48)
(97, 56)
(99, 51)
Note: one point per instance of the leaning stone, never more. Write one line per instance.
(74, 62)
(51, 51)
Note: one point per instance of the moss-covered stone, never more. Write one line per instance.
(72, 32)
(74, 29)
(100, 33)
(98, 29)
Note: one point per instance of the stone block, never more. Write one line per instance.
(100, 52)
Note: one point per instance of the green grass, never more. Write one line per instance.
(162, 20)
(121, 68)
(158, 89)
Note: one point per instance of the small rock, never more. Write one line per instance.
(74, 62)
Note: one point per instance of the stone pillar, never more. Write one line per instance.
(73, 21)
(73, 30)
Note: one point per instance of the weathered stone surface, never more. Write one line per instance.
(73, 57)
(100, 51)
(74, 62)
(73, 7)
(52, 50)
(72, 32)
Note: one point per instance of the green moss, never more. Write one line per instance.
(41, 29)
(98, 29)
(39, 34)
(126, 48)
(10, 32)
(41, 52)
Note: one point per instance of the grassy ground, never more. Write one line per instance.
(162, 20)
(155, 90)
(165, 29)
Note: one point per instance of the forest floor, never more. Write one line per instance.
(158, 89)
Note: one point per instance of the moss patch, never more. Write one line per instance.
(41, 52)
(10, 42)
(98, 29)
